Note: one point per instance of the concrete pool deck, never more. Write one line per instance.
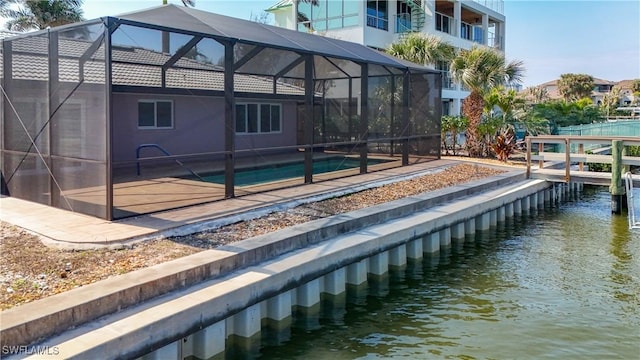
(71, 230)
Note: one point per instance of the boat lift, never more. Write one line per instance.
(633, 222)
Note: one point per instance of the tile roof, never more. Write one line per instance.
(626, 84)
(7, 33)
(133, 66)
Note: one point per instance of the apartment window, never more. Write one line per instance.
(443, 23)
(465, 31)
(378, 14)
(327, 14)
(446, 107)
(258, 118)
(155, 114)
(478, 34)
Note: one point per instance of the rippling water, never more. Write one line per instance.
(563, 283)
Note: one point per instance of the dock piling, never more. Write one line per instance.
(616, 188)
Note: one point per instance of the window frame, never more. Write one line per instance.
(322, 18)
(155, 114)
(258, 120)
(375, 20)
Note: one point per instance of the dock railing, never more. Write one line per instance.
(568, 157)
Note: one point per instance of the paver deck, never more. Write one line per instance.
(63, 228)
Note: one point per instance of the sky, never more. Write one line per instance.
(598, 38)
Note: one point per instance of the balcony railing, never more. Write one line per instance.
(377, 22)
(472, 33)
(445, 23)
(403, 23)
(495, 42)
(495, 5)
(447, 81)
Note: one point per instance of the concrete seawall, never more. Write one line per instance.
(193, 321)
(31, 322)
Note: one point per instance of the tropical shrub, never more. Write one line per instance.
(504, 144)
(488, 129)
(453, 126)
(561, 113)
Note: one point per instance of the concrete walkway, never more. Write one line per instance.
(71, 230)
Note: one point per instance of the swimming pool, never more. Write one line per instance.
(282, 171)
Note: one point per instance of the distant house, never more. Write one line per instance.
(172, 106)
(602, 88)
(627, 97)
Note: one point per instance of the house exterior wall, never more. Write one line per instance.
(198, 127)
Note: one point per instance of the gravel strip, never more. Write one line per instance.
(29, 270)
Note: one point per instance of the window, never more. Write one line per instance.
(377, 14)
(155, 114)
(478, 34)
(327, 14)
(443, 23)
(465, 31)
(258, 118)
(69, 131)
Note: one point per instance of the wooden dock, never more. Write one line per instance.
(568, 166)
(585, 177)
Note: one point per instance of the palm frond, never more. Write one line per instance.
(422, 49)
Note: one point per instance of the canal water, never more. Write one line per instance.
(563, 283)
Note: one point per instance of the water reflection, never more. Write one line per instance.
(623, 273)
(558, 283)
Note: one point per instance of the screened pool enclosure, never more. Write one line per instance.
(171, 107)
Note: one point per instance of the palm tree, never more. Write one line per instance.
(304, 18)
(480, 69)
(514, 111)
(422, 49)
(40, 14)
(611, 100)
(508, 102)
(538, 94)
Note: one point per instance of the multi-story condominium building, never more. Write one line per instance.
(378, 23)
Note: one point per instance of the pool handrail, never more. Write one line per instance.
(165, 152)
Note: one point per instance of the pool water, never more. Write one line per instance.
(264, 174)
